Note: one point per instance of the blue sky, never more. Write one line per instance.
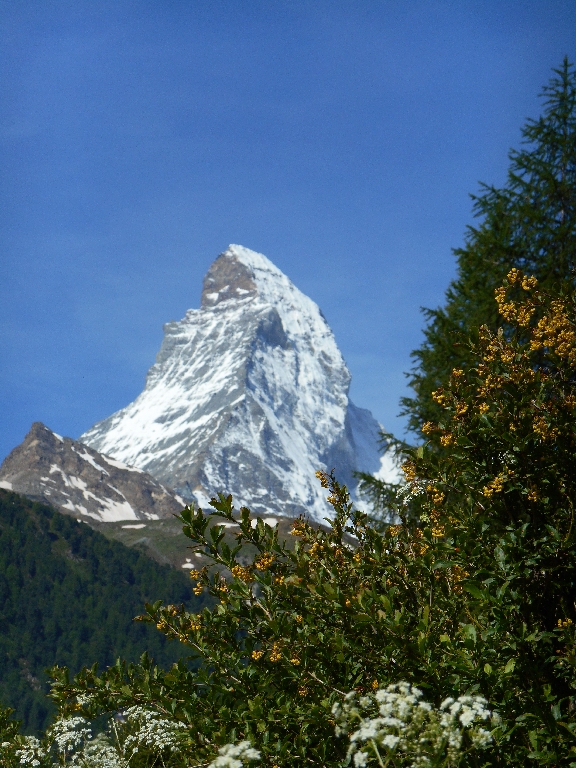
(138, 138)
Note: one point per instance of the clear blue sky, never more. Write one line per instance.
(342, 139)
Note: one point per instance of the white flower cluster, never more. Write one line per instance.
(408, 491)
(69, 734)
(73, 742)
(396, 720)
(71, 739)
(466, 711)
(233, 755)
(150, 730)
(100, 753)
(30, 753)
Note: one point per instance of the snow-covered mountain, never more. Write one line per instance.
(249, 396)
(81, 482)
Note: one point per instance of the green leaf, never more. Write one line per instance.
(509, 666)
(469, 631)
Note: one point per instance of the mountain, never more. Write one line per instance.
(68, 596)
(249, 396)
(82, 482)
(121, 502)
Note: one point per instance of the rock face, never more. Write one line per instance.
(81, 482)
(249, 396)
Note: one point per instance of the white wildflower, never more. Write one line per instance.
(150, 730)
(233, 755)
(360, 759)
(69, 734)
(390, 741)
(30, 753)
(99, 753)
(394, 721)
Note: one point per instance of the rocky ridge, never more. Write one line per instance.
(82, 482)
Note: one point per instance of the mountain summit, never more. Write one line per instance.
(248, 396)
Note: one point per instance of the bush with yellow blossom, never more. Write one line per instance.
(470, 592)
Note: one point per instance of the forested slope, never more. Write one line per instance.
(68, 596)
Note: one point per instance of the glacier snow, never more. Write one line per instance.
(248, 396)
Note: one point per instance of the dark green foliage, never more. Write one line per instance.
(529, 224)
(473, 592)
(67, 596)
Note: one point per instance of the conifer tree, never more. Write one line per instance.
(529, 224)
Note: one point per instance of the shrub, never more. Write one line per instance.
(469, 594)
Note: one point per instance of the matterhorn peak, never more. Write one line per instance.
(248, 395)
(237, 274)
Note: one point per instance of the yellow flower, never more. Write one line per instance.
(458, 574)
(542, 428)
(447, 439)
(496, 485)
(483, 408)
(315, 549)
(298, 526)
(198, 589)
(457, 373)
(512, 276)
(529, 282)
(264, 562)
(257, 655)
(302, 691)
(438, 497)
(275, 653)
(428, 428)
(439, 397)
(524, 316)
(241, 573)
(375, 685)
(295, 660)
(194, 574)
(409, 470)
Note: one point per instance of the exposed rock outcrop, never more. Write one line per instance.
(82, 482)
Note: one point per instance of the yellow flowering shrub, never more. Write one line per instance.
(469, 591)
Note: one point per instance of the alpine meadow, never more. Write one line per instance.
(437, 629)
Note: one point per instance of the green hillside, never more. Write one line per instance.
(68, 596)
